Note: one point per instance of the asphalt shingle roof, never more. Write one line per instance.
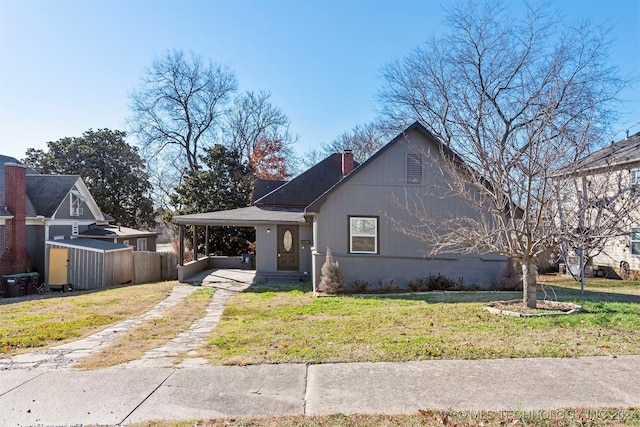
(306, 187)
(262, 187)
(48, 191)
(95, 244)
(44, 192)
(244, 216)
(621, 152)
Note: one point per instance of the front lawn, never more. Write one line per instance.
(293, 326)
(39, 322)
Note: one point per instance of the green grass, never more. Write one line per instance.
(40, 322)
(294, 326)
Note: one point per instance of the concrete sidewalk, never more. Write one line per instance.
(121, 396)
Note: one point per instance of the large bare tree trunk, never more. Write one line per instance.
(529, 285)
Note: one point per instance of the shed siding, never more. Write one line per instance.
(85, 269)
(381, 190)
(91, 269)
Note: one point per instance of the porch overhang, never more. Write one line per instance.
(244, 217)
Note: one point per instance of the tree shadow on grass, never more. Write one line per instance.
(548, 292)
(565, 294)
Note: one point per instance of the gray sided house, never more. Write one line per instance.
(351, 209)
(37, 208)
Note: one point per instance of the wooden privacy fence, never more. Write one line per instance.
(154, 266)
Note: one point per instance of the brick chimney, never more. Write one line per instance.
(347, 162)
(14, 259)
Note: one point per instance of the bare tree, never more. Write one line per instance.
(178, 105)
(516, 99)
(253, 118)
(363, 140)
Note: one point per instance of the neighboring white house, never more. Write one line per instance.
(612, 176)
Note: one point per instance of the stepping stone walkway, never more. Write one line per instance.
(65, 355)
(187, 342)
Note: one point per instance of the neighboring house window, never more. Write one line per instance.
(635, 177)
(74, 228)
(414, 169)
(76, 201)
(125, 242)
(363, 235)
(142, 244)
(635, 241)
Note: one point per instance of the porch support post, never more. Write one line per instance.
(206, 241)
(195, 243)
(181, 245)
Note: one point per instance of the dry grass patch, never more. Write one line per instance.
(551, 418)
(295, 327)
(152, 333)
(56, 318)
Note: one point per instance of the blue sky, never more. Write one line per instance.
(68, 66)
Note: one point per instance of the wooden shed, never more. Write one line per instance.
(88, 263)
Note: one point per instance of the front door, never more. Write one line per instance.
(287, 247)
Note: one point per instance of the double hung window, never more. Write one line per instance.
(363, 235)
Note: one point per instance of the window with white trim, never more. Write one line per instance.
(141, 244)
(74, 228)
(414, 169)
(363, 235)
(635, 241)
(635, 177)
(76, 201)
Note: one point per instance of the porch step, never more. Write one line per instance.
(282, 278)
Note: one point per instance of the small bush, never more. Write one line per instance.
(439, 283)
(388, 286)
(418, 285)
(331, 281)
(360, 286)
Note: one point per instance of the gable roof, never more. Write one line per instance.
(47, 192)
(262, 187)
(618, 153)
(417, 127)
(306, 187)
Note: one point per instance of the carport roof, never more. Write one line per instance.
(249, 216)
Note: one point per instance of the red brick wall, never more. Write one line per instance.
(347, 162)
(14, 259)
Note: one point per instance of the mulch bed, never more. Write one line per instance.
(543, 308)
